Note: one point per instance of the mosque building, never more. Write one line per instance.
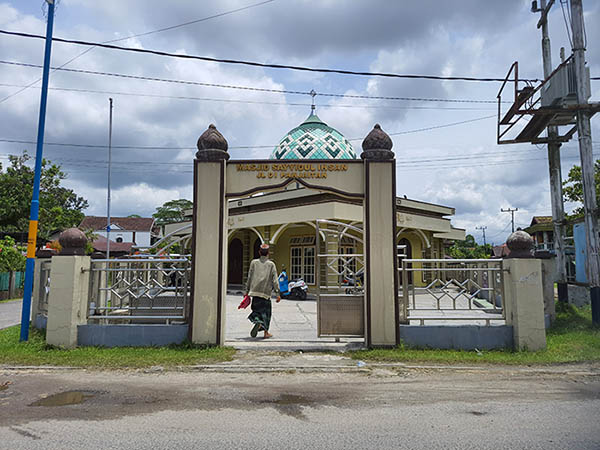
(286, 219)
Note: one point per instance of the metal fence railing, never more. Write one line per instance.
(139, 290)
(11, 284)
(458, 290)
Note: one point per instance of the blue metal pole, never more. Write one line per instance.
(35, 200)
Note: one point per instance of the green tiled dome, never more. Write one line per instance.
(313, 139)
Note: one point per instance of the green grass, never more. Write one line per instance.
(36, 352)
(572, 338)
(10, 300)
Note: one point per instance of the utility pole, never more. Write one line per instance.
(482, 229)
(110, 103)
(35, 199)
(587, 161)
(512, 215)
(554, 166)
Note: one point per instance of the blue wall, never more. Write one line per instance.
(580, 252)
(131, 335)
(458, 337)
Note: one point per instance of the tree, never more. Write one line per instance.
(172, 211)
(573, 188)
(469, 249)
(12, 257)
(60, 207)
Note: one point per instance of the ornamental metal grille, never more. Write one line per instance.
(139, 290)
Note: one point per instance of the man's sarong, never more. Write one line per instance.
(261, 312)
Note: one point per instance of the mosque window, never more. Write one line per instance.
(302, 264)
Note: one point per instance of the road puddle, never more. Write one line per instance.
(63, 399)
(291, 400)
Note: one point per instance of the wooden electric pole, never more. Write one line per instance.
(587, 161)
(483, 230)
(556, 193)
(512, 216)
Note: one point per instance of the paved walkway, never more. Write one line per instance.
(10, 313)
(293, 325)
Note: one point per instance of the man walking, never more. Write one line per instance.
(262, 280)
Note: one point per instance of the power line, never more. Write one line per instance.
(512, 215)
(259, 64)
(149, 166)
(257, 102)
(500, 232)
(138, 147)
(138, 35)
(191, 22)
(249, 88)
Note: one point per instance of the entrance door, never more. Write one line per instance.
(235, 262)
(340, 275)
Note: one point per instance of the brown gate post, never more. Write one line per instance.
(380, 243)
(209, 236)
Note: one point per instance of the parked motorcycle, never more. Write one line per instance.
(296, 289)
(354, 284)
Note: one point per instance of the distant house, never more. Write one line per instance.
(500, 251)
(133, 231)
(542, 232)
(117, 249)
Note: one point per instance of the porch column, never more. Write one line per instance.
(209, 236)
(381, 303)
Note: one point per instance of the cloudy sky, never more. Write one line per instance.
(459, 165)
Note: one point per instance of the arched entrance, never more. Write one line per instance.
(369, 181)
(235, 261)
(256, 248)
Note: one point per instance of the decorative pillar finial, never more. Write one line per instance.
(377, 145)
(212, 146)
(72, 241)
(312, 106)
(520, 244)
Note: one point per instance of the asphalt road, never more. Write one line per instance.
(10, 313)
(486, 408)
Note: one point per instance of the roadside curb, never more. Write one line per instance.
(358, 368)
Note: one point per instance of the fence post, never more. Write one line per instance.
(11, 284)
(379, 210)
(69, 290)
(524, 302)
(209, 284)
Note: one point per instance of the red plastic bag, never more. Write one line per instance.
(245, 302)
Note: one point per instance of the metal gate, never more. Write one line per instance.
(340, 275)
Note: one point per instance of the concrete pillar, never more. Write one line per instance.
(68, 299)
(35, 292)
(381, 305)
(247, 257)
(69, 290)
(209, 256)
(548, 277)
(524, 297)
